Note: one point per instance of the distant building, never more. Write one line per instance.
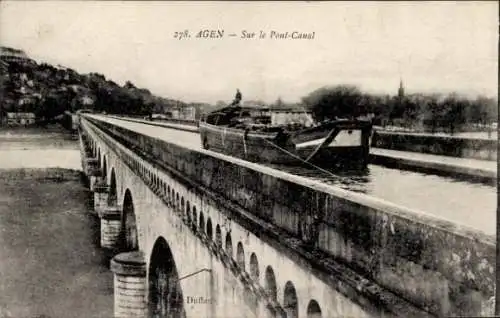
(369, 116)
(285, 116)
(20, 119)
(8, 54)
(26, 100)
(259, 112)
(183, 113)
(159, 116)
(86, 100)
(23, 77)
(4, 67)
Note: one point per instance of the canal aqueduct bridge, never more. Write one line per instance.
(198, 234)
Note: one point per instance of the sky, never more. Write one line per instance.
(432, 46)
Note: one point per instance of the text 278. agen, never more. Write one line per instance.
(204, 34)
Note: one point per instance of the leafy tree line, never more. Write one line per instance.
(431, 112)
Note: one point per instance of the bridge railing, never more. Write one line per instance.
(185, 122)
(445, 268)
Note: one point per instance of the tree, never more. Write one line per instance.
(453, 111)
(279, 103)
(338, 101)
(129, 85)
(430, 111)
(484, 110)
(52, 106)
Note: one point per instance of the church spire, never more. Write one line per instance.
(401, 90)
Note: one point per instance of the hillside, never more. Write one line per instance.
(48, 91)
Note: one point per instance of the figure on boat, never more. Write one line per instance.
(237, 98)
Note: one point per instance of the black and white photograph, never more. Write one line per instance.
(288, 159)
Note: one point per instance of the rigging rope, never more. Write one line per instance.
(300, 159)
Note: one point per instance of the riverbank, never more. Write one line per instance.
(50, 262)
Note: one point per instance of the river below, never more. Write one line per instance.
(50, 263)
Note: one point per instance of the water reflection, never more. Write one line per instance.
(38, 148)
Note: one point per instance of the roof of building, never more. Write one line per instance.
(289, 110)
(20, 115)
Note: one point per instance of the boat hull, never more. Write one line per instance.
(349, 147)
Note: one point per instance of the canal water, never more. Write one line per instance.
(50, 262)
(472, 204)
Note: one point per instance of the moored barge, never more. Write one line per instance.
(234, 131)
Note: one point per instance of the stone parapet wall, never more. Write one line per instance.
(440, 267)
(484, 149)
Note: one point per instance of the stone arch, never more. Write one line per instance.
(104, 167)
(270, 284)
(254, 267)
(165, 297)
(112, 195)
(250, 297)
(209, 228)
(194, 218)
(177, 201)
(240, 256)
(313, 309)
(218, 236)
(201, 226)
(99, 157)
(290, 302)
(229, 245)
(183, 211)
(129, 240)
(169, 194)
(188, 212)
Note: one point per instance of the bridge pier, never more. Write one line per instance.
(101, 191)
(94, 178)
(129, 285)
(91, 171)
(110, 226)
(89, 161)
